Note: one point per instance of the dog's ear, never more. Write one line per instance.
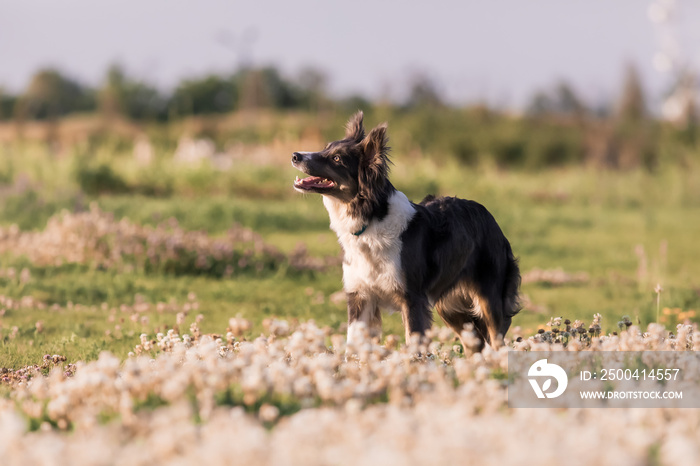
(374, 162)
(355, 130)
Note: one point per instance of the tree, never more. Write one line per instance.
(110, 97)
(632, 105)
(265, 87)
(212, 94)
(423, 92)
(51, 94)
(312, 84)
(7, 104)
(561, 101)
(354, 103)
(134, 99)
(568, 102)
(540, 104)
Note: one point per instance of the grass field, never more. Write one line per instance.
(620, 233)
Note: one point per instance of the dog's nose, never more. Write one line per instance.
(297, 157)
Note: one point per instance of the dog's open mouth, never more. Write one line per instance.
(313, 182)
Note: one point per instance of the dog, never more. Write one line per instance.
(444, 253)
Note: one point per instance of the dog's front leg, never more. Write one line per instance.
(362, 312)
(417, 316)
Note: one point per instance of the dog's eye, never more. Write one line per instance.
(336, 159)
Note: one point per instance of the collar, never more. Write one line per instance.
(360, 231)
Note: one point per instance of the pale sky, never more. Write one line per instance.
(498, 51)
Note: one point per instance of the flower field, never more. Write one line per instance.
(298, 395)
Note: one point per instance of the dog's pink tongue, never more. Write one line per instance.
(316, 182)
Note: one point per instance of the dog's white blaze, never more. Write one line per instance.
(373, 259)
(341, 222)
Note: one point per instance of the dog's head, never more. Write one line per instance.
(354, 167)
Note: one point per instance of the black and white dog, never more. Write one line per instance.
(445, 252)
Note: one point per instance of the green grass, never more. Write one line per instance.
(79, 333)
(580, 220)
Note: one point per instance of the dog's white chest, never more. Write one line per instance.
(372, 263)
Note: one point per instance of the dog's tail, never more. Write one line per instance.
(511, 303)
(498, 327)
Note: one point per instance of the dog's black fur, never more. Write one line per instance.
(453, 255)
(465, 258)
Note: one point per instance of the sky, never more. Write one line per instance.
(497, 52)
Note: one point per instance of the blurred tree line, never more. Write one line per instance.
(557, 128)
(52, 94)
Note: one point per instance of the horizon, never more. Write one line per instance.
(474, 53)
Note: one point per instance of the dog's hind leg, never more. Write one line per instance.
(463, 305)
